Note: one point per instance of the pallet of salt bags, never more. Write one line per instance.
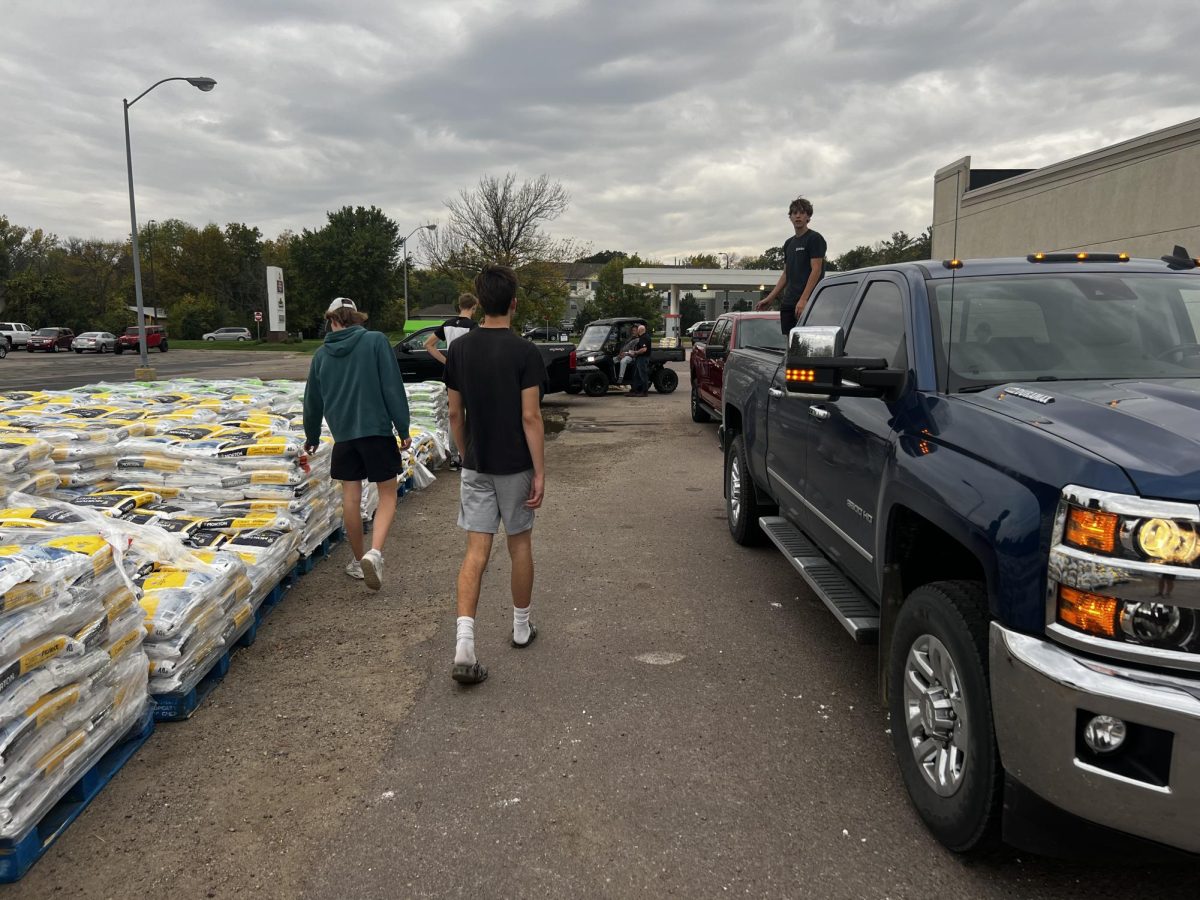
(73, 673)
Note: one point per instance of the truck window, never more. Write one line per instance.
(719, 339)
(830, 303)
(1060, 326)
(761, 333)
(878, 328)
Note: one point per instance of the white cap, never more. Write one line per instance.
(341, 303)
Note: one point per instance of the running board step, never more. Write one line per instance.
(858, 615)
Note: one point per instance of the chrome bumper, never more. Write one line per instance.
(1038, 691)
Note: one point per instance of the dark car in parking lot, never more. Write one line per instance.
(50, 339)
(418, 364)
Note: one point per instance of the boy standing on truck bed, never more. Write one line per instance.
(494, 378)
(803, 267)
(354, 385)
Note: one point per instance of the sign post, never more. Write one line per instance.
(258, 323)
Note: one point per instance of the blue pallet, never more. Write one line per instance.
(180, 707)
(17, 856)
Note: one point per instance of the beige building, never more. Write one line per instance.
(1141, 196)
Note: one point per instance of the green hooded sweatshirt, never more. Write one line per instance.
(355, 384)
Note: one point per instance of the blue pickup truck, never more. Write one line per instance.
(992, 469)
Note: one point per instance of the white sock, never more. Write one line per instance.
(521, 624)
(464, 650)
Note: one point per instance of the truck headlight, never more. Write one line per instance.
(1150, 624)
(1155, 623)
(1168, 541)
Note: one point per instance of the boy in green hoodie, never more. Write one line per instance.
(355, 385)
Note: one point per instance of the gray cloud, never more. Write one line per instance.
(677, 126)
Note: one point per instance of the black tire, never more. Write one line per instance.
(955, 614)
(118, 350)
(666, 380)
(742, 509)
(595, 384)
(162, 348)
(699, 413)
(3, 350)
(54, 348)
(241, 339)
(574, 388)
(214, 339)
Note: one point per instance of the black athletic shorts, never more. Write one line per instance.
(374, 458)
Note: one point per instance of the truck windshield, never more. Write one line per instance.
(760, 333)
(1068, 327)
(594, 337)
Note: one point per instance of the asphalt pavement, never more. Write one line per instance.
(689, 722)
(22, 370)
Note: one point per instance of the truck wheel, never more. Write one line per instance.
(941, 713)
(665, 380)
(162, 348)
(742, 508)
(595, 384)
(118, 349)
(3, 350)
(574, 388)
(699, 413)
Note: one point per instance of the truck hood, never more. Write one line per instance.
(1151, 429)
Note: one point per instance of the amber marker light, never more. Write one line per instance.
(952, 263)
(1092, 530)
(807, 376)
(1081, 256)
(1090, 613)
(1039, 257)
(1122, 257)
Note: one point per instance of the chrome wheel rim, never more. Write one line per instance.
(935, 712)
(735, 490)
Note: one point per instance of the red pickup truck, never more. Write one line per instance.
(732, 331)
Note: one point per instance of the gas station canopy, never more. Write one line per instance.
(673, 278)
(667, 277)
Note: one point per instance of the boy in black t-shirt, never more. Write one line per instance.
(803, 266)
(494, 378)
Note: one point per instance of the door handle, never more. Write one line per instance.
(818, 412)
(774, 392)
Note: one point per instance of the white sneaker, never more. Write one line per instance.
(372, 569)
(354, 569)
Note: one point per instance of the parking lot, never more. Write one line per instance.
(691, 721)
(22, 370)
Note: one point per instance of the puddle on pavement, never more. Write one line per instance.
(554, 421)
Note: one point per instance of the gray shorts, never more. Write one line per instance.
(485, 500)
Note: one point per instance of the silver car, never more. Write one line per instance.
(229, 334)
(95, 341)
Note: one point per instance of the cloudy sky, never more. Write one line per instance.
(677, 126)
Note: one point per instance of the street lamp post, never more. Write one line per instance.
(202, 83)
(153, 278)
(405, 242)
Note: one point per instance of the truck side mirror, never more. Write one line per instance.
(815, 363)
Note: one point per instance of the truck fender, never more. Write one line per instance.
(971, 520)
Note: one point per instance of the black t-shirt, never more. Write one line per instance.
(490, 367)
(798, 253)
(452, 329)
(644, 345)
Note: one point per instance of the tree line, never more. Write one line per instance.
(210, 277)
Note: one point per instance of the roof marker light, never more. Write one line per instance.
(1081, 256)
(1039, 257)
(952, 263)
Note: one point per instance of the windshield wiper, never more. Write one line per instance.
(977, 388)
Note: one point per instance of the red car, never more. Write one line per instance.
(732, 331)
(50, 339)
(156, 338)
